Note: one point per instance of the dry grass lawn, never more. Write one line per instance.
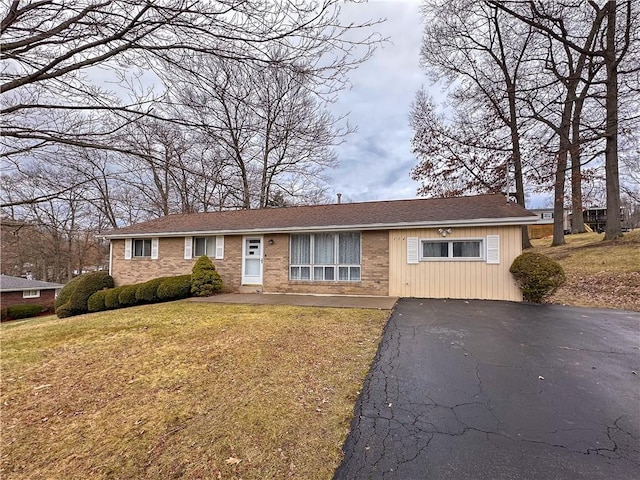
(183, 390)
(599, 274)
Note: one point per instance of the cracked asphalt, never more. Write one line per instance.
(498, 390)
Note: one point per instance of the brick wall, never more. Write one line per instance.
(171, 262)
(46, 299)
(375, 265)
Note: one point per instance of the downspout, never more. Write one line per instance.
(110, 256)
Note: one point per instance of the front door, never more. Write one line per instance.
(252, 261)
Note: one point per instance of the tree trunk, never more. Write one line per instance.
(577, 220)
(558, 200)
(613, 227)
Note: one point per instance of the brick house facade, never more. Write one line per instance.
(23, 291)
(371, 248)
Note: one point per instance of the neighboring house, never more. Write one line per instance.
(544, 225)
(441, 248)
(596, 218)
(22, 291)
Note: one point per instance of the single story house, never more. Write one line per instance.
(22, 291)
(458, 247)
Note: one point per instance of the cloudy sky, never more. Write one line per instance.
(375, 162)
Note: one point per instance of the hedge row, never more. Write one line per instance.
(156, 290)
(16, 312)
(74, 296)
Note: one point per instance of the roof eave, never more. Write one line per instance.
(476, 222)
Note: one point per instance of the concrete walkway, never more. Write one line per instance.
(338, 301)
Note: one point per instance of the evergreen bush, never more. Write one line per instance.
(148, 291)
(23, 311)
(111, 298)
(96, 301)
(175, 288)
(205, 280)
(127, 296)
(79, 292)
(537, 275)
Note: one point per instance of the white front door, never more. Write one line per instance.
(252, 261)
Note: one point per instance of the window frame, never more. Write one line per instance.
(335, 267)
(144, 240)
(207, 239)
(450, 253)
(26, 293)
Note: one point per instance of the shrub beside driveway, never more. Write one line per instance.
(183, 390)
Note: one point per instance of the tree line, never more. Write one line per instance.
(118, 111)
(544, 93)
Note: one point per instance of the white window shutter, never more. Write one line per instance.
(493, 249)
(412, 249)
(188, 245)
(219, 247)
(154, 248)
(127, 248)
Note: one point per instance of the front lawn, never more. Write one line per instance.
(599, 273)
(183, 390)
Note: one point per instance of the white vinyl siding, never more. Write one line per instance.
(455, 278)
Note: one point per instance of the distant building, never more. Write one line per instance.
(20, 291)
(544, 226)
(596, 218)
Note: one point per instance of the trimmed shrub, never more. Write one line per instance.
(23, 311)
(537, 275)
(148, 291)
(82, 288)
(65, 292)
(127, 296)
(95, 303)
(111, 298)
(205, 280)
(175, 288)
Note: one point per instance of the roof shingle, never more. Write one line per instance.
(479, 209)
(16, 284)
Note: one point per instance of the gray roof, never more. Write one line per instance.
(19, 284)
(392, 214)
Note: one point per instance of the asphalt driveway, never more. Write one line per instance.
(499, 390)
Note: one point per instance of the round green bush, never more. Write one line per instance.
(537, 275)
(111, 298)
(83, 287)
(127, 296)
(205, 280)
(175, 288)
(148, 291)
(23, 311)
(96, 301)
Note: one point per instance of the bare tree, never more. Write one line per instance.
(609, 44)
(273, 133)
(65, 64)
(480, 53)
